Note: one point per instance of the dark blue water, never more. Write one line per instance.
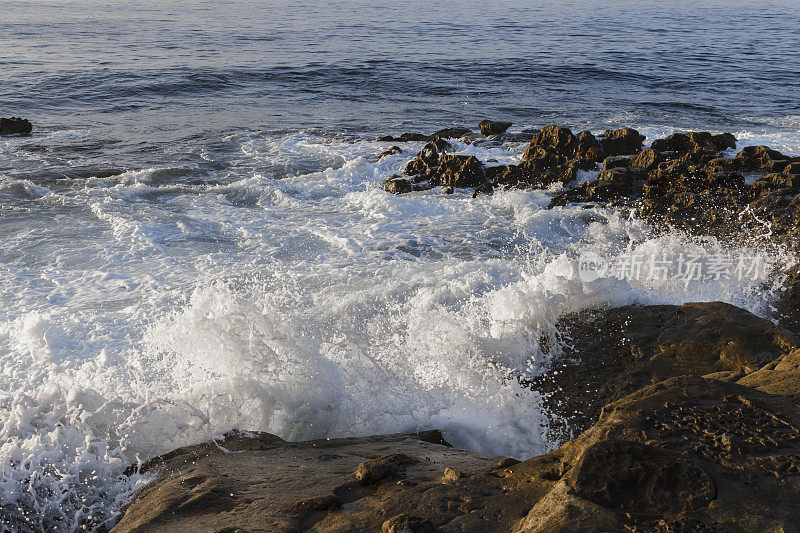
(146, 73)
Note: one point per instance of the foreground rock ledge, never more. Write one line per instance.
(699, 430)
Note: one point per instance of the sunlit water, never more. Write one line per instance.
(196, 238)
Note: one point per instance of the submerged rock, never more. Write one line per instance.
(15, 126)
(446, 133)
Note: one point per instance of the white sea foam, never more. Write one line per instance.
(137, 315)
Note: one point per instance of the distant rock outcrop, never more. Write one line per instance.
(15, 126)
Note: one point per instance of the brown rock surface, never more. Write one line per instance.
(610, 353)
(491, 127)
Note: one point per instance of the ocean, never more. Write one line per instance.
(195, 238)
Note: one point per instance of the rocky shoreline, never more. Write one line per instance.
(671, 418)
(686, 419)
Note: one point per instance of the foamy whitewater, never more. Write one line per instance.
(140, 315)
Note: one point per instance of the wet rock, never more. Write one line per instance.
(405, 137)
(614, 186)
(761, 157)
(613, 162)
(391, 151)
(694, 141)
(276, 485)
(451, 133)
(446, 133)
(556, 140)
(434, 165)
(484, 188)
(788, 305)
(397, 185)
(491, 127)
(647, 159)
(614, 352)
(664, 458)
(589, 147)
(621, 142)
(636, 478)
(792, 168)
(15, 126)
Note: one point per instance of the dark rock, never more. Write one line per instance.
(788, 305)
(615, 186)
(589, 147)
(694, 141)
(558, 140)
(792, 168)
(667, 458)
(613, 162)
(484, 188)
(636, 478)
(405, 137)
(451, 133)
(647, 159)
(761, 157)
(15, 126)
(397, 185)
(434, 165)
(446, 133)
(614, 352)
(391, 151)
(490, 127)
(621, 142)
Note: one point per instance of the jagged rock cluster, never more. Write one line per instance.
(686, 180)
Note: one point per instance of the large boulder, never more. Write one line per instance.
(694, 141)
(624, 141)
(557, 140)
(614, 352)
(15, 126)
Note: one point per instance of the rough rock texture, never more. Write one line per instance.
(699, 430)
(258, 482)
(621, 142)
(15, 126)
(685, 454)
(491, 127)
(610, 353)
